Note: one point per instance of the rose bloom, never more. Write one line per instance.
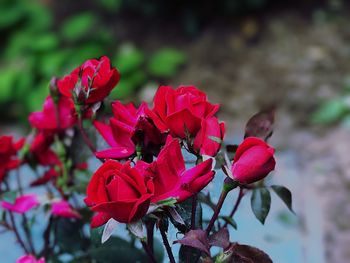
(208, 139)
(170, 177)
(8, 152)
(97, 77)
(54, 116)
(119, 191)
(181, 111)
(128, 127)
(253, 161)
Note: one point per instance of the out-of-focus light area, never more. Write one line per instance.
(247, 55)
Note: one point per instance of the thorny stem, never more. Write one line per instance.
(167, 245)
(217, 210)
(85, 136)
(148, 252)
(238, 201)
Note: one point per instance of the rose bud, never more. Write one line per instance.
(97, 79)
(253, 161)
(209, 138)
(120, 191)
(172, 180)
(128, 127)
(181, 111)
(54, 116)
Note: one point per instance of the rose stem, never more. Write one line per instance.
(24, 217)
(150, 227)
(193, 215)
(238, 201)
(148, 252)
(223, 195)
(14, 227)
(167, 245)
(85, 136)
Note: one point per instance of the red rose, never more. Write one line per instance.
(40, 148)
(128, 127)
(120, 191)
(97, 77)
(54, 116)
(170, 177)
(253, 161)
(181, 111)
(8, 151)
(209, 138)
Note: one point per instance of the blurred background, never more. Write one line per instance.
(247, 55)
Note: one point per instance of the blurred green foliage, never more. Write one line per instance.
(35, 47)
(336, 110)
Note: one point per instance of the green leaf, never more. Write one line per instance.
(78, 26)
(111, 5)
(171, 201)
(330, 112)
(7, 80)
(260, 202)
(215, 139)
(165, 62)
(45, 42)
(128, 59)
(284, 194)
(230, 221)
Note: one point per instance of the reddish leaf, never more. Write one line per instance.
(261, 124)
(237, 253)
(220, 238)
(196, 238)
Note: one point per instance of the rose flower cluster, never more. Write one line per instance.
(142, 162)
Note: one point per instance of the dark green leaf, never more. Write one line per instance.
(260, 203)
(188, 254)
(70, 237)
(284, 194)
(117, 250)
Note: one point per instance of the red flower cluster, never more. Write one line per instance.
(123, 188)
(124, 193)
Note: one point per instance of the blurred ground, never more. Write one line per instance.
(293, 64)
